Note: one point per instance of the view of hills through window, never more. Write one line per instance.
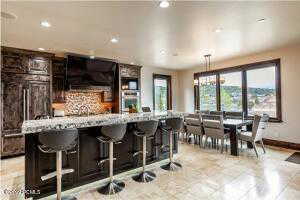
(208, 97)
(261, 91)
(231, 91)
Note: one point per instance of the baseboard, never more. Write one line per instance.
(287, 145)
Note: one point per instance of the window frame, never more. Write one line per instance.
(168, 78)
(243, 69)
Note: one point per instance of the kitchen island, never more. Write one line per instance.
(87, 153)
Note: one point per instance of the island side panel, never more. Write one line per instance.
(84, 159)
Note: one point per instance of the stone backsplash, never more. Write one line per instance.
(81, 102)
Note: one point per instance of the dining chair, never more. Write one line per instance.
(146, 109)
(204, 112)
(193, 126)
(258, 131)
(214, 129)
(234, 115)
(217, 113)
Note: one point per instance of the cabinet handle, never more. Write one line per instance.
(13, 135)
(24, 104)
(71, 152)
(28, 103)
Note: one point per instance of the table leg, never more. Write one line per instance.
(234, 142)
(249, 145)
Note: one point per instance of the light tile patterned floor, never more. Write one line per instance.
(206, 174)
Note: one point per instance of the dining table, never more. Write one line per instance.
(234, 125)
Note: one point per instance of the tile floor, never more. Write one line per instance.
(206, 174)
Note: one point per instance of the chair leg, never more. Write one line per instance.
(144, 176)
(171, 166)
(113, 186)
(205, 142)
(255, 149)
(222, 145)
(263, 146)
(200, 140)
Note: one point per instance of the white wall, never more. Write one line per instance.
(290, 88)
(147, 84)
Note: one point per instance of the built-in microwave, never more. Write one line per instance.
(130, 98)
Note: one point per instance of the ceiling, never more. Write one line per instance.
(176, 37)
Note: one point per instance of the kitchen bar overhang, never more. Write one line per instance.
(85, 156)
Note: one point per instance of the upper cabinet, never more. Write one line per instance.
(127, 70)
(58, 80)
(25, 61)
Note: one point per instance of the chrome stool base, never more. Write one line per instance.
(68, 198)
(145, 177)
(172, 166)
(112, 187)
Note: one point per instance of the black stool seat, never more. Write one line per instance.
(175, 124)
(110, 134)
(58, 141)
(115, 132)
(145, 129)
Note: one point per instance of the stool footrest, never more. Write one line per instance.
(53, 174)
(104, 160)
(138, 152)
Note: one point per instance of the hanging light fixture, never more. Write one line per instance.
(208, 79)
(207, 68)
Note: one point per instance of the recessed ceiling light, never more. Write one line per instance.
(162, 52)
(164, 4)
(218, 30)
(114, 40)
(41, 49)
(45, 24)
(261, 20)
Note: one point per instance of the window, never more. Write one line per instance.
(231, 92)
(261, 90)
(252, 88)
(208, 94)
(162, 92)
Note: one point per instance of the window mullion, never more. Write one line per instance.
(244, 92)
(218, 91)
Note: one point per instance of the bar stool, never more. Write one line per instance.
(112, 134)
(56, 141)
(174, 125)
(145, 129)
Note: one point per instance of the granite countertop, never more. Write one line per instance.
(36, 126)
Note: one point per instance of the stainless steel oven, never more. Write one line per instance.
(130, 98)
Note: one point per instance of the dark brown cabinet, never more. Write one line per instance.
(58, 80)
(38, 98)
(25, 61)
(25, 93)
(127, 70)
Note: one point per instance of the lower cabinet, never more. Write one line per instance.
(12, 145)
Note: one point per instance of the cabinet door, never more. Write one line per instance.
(129, 71)
(13, 62)
(13, 104)
(12, 145)
(39, 65)
(58, 89)
(38, 96)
